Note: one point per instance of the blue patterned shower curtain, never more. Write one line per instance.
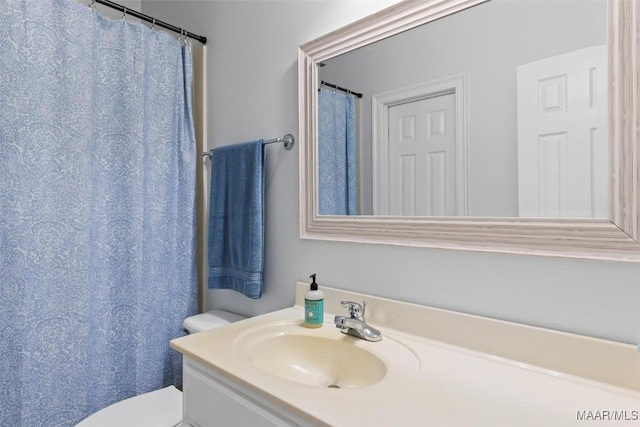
(337, 154)
(97, 190)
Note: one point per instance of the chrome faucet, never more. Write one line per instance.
(354, 324)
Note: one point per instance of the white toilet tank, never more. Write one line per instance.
(209, 320)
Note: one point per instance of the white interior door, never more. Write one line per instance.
(562, 135)
(422, 157)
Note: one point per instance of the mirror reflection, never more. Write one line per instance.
(499, 110)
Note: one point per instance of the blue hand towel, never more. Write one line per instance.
(236, 218)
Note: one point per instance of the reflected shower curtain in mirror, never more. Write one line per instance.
(337, 154)
(97, 190)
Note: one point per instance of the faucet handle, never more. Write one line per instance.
(356, 310)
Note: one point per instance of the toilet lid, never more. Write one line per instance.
(160, 408)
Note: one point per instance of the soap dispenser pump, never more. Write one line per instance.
(313, 306)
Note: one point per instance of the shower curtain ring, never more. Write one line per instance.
(153, 24)
(93, 5)
(124, 14)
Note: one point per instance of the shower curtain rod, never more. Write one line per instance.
(359, 95)
(151, 20)
(288, 139)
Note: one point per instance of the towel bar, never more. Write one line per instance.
(288, 139)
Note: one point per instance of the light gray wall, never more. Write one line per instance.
(253, 93)
(464, 43)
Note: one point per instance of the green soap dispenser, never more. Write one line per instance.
(313, 306)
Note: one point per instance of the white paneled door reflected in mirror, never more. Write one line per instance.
(477, 125)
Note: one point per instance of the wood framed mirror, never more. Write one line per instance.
(615, 237)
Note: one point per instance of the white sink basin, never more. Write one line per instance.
(318, 361)
(322, 357)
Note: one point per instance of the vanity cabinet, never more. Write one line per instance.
(513, 375)
(211, 400)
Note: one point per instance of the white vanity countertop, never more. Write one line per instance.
(453, 382)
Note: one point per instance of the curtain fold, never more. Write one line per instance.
(97, 203)
(337, 154)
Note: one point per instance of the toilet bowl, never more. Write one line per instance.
(157, 408)
(160, 408)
